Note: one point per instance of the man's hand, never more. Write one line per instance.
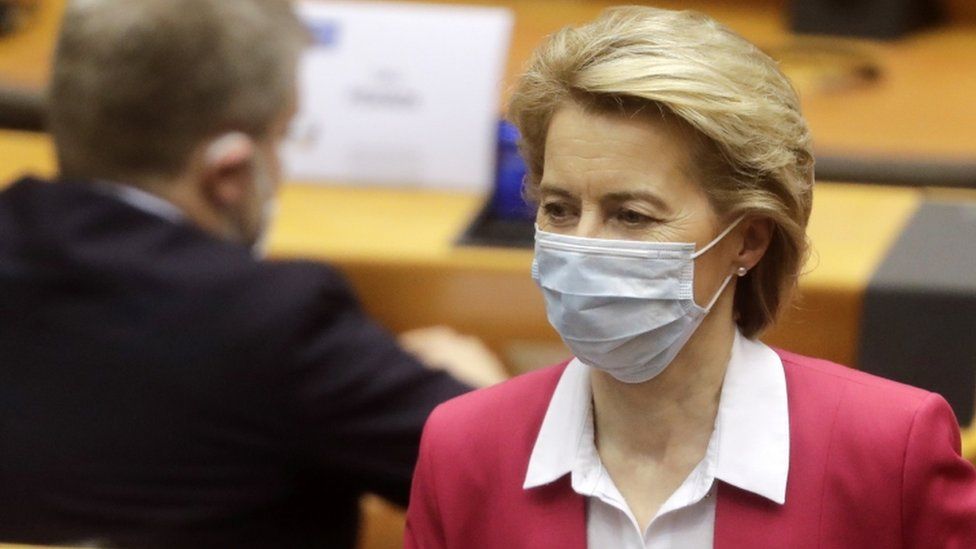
(464, 357)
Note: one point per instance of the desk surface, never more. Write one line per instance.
(851, 225)
(396, 244)
(398, 247)
(921, 106)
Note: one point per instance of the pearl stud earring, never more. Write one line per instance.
(741, 271)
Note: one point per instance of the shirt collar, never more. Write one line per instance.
(142, 200)
(567, 419)
(751, 435)
(754, 422)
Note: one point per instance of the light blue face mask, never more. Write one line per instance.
(626, 307)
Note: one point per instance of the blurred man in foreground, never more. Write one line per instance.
(160, 387)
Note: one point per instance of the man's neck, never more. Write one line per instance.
(187, 197)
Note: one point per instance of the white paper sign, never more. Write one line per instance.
(399, 94)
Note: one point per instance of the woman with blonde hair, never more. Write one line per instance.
(673, 174)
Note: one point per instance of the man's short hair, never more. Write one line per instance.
(139, 84)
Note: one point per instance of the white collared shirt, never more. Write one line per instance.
(142, 200)
(164, 209)
(749, 448)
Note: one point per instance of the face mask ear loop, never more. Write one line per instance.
(718, 294)
(718, 238)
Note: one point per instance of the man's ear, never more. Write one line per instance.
(227, 165)
(757, 233)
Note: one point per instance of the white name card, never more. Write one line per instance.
(399, 94)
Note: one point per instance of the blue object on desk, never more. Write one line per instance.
(324, 33)
(505, 220)
(507, 201)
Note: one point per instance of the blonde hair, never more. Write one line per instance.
(753, 157)
(138, 84)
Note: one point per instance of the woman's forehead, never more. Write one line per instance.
(611, 153)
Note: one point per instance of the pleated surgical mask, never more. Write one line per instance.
(626, 307)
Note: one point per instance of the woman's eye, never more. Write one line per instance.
(556, 211)
(631, 217)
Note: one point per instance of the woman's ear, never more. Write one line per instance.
(757, 232)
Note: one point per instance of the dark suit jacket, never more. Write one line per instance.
(160, 387)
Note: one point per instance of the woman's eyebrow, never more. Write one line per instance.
(549, 189)
(624, 196)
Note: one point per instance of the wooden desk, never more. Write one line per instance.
(25, 56)
(397, 246)
(920, 107)
(391, 241)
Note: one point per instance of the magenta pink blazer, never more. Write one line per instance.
(873, 464)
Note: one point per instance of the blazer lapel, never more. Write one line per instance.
(744, 520)
(556, 517)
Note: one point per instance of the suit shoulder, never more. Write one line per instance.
(824, 373)
(828, 397)
(293, 287)
(303, 277)
(509, 406)
(301, 302)
(530, 386)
